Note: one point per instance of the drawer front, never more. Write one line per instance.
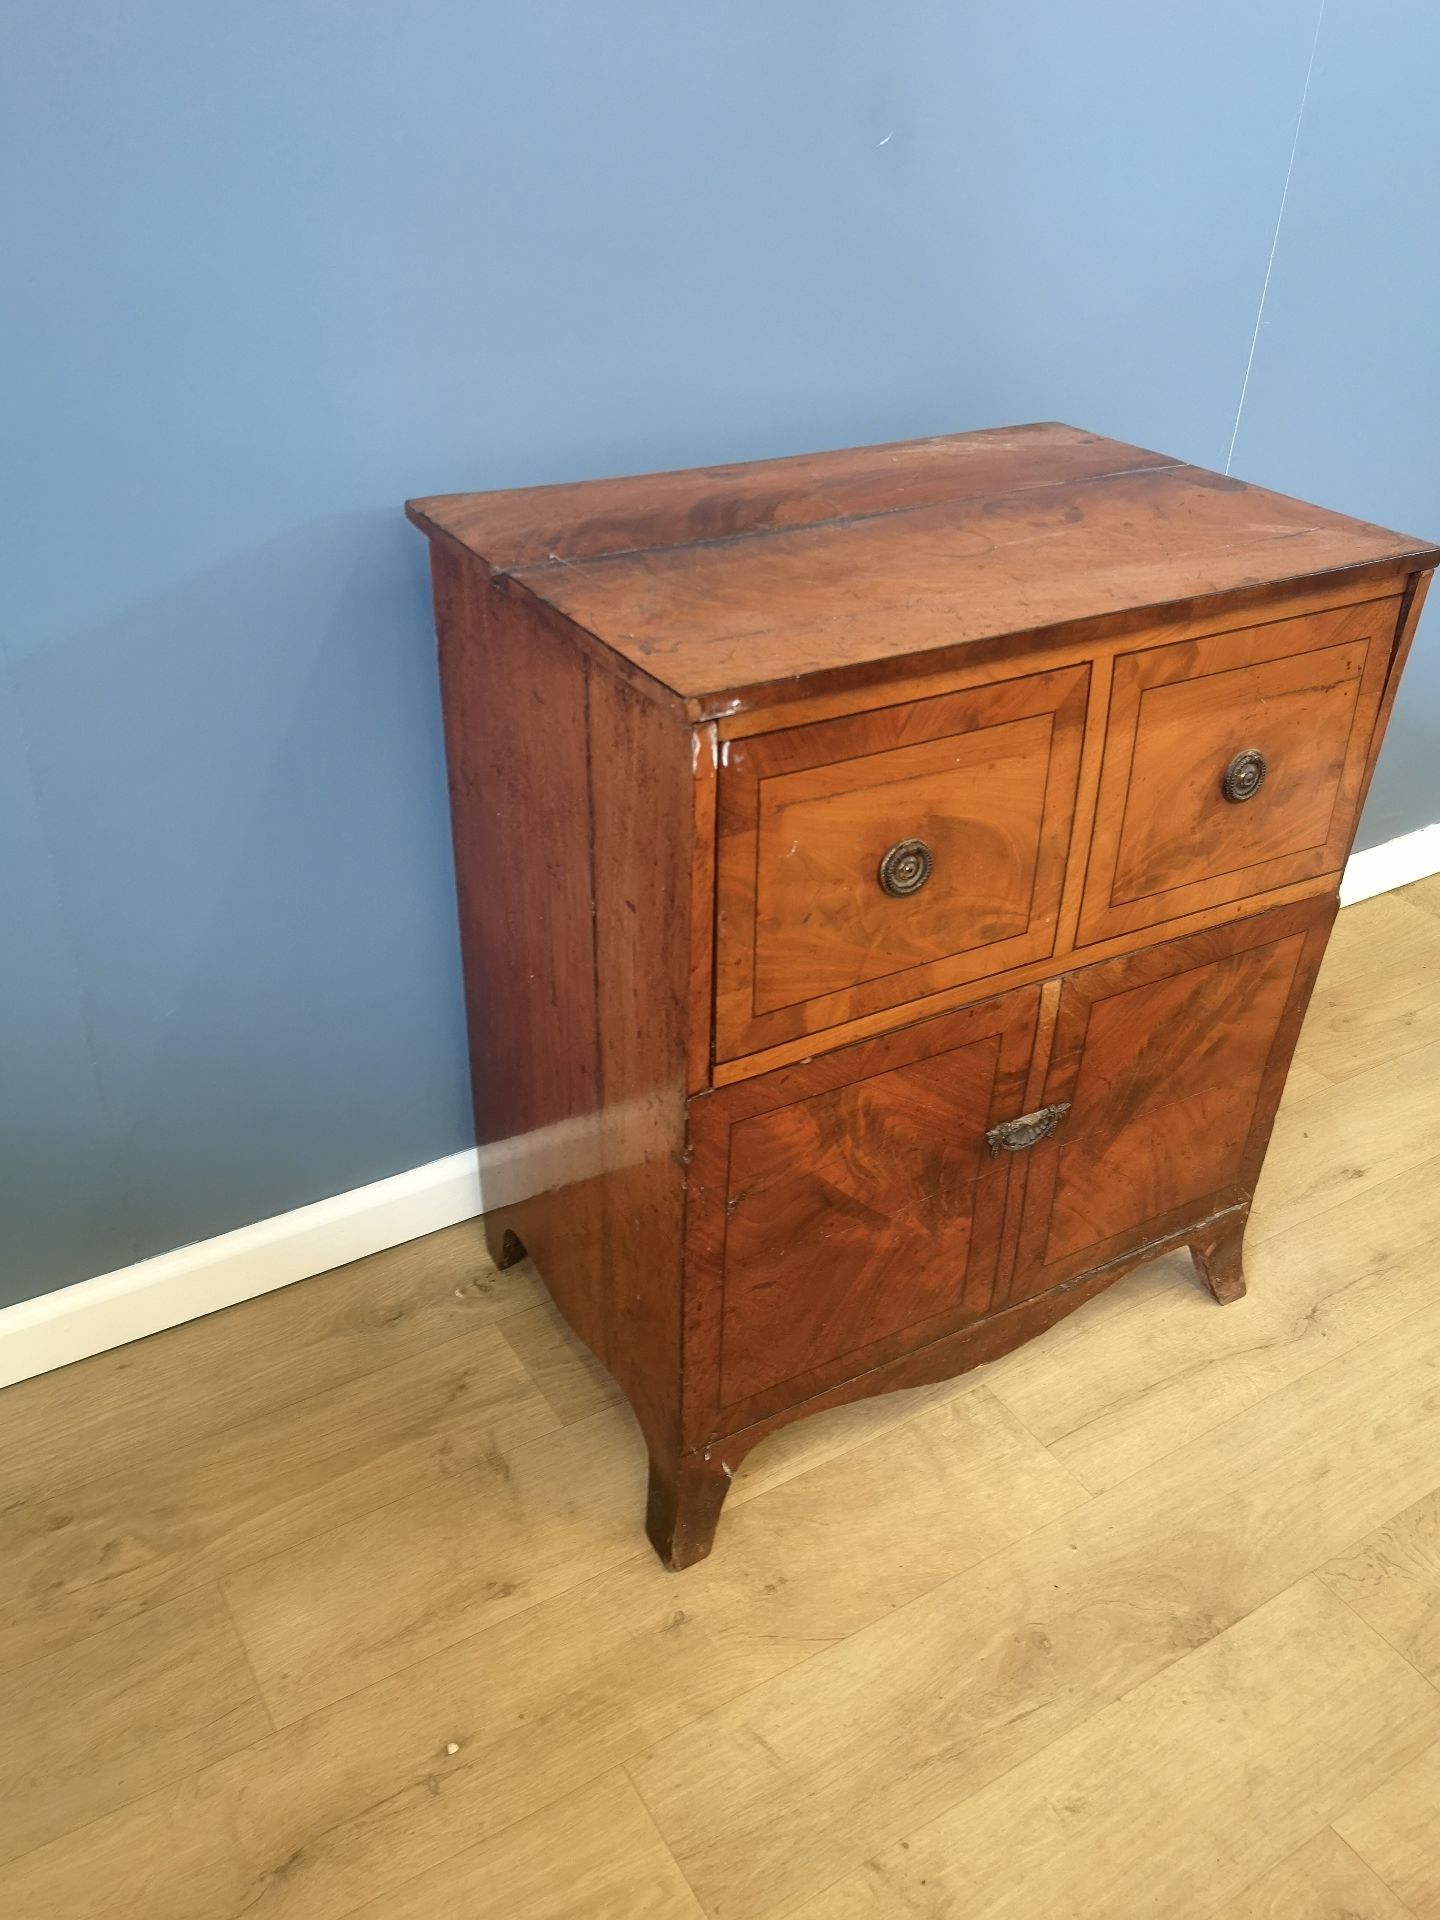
(844, 1211)
(970, 796)
(1233, 764)
(1172, 1061)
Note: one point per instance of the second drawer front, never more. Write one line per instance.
(867, 861)
(1233, 765)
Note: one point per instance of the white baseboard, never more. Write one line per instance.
(1395, 863)
(114, 1308)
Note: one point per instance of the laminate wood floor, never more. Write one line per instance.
(337, 1603)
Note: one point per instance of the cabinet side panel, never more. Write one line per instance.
(515, 698)
(642, 783)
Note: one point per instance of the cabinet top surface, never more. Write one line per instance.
(718, 580)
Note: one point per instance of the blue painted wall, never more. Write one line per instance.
(270, 268)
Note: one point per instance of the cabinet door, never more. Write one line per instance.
(848, 1209)
(1172, 1062)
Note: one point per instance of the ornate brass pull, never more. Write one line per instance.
(1016, 1135)
(1244, 776)
(906, 868)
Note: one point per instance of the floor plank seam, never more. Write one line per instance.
(1086, 1494)
(244, 1646)
(154, 1788)
(1259, 1235)
(163, 1597)
(1345, 1359)
(1350, 1607)
(401, 1499)
(641, 1557)
(661, 1841)
(1370, 1867)
(901, 1836)
(1141, 1395)
(64, 1489)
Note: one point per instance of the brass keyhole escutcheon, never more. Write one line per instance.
(906, 868)
(1244, 776)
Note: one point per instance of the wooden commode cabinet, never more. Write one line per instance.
(891, 884)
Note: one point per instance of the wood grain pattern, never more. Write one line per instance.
(524, 871)
(1305, 1077)
(574, 1383)
(585, 520)
(1303, 692)
(576, 803)
(1416, 586)
(1311, 1168)
(143, 1402)
(984, 661)
(595, 1857)
(1392, 1579)
(727, 1073)
(1172, 1061)
(98, 1723)
(806, 935)
(455, 1564)
(115, 1545)
(813, 1772)
(1322, 1880)
(807, 1190)
(1378, 994)
(1172, 1368)
(1031, 1100)
(941, 1359)
(1395, 1832)
(706, 751)
(642, 772)
(865, 1207)
(348, 1804)
(824, 922)
(1048, 528)
(1322, 1699)
(927, 582)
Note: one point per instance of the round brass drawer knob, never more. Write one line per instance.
(906, 868)
(1244, 776)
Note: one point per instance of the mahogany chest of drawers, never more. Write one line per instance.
(891, 884)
